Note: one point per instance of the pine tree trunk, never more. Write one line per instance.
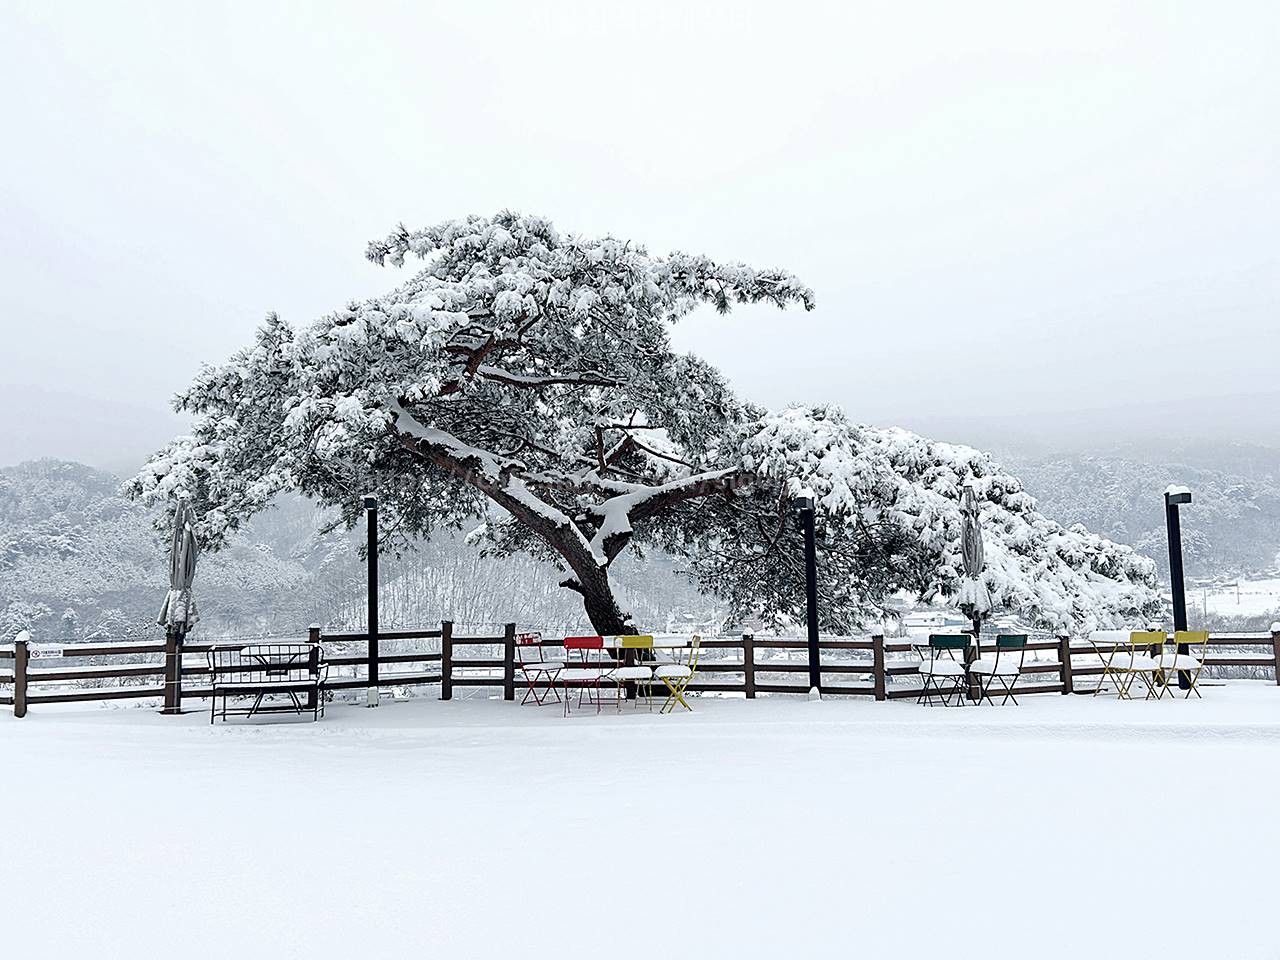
(601, 606)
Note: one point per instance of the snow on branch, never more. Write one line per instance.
(534, 380)
(618, 513)
(1063, 578)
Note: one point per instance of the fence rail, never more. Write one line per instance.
(871, 667)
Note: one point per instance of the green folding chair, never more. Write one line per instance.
(942, 668)
(1002, 669)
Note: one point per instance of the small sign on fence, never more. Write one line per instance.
(44, 653)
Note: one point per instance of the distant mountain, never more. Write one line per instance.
(1231, 528)
(78, 561)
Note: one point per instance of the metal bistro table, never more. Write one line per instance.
(674, 674)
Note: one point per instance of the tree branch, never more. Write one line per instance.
(489, 372)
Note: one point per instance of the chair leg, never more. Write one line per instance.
(1159, 686)
(1124, 680)
(929, 681)
(1102, 680)
(1008, 684)
(1194, 676)
(679, 693)
(984, 688)
(673, 695)
(957, 690)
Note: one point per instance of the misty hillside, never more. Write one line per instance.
(1232, 527)
(78, 561)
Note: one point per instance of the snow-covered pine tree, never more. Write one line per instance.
(889, 518)
(532, 371)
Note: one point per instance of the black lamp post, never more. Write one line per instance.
(805, 506)
(371, 548)
(1174, 497)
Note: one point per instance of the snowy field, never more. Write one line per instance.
(779, 828)
(1248, 598)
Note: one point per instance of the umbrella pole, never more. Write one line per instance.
(172, 672)
(975, 691)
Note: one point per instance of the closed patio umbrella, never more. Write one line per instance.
(178, 614)
(974, 598)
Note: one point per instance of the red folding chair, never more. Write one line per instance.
(584, 669)
(539, 673)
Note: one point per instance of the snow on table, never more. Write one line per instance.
(771, 828)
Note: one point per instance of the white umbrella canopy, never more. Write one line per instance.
(974, 597)
(179, 614)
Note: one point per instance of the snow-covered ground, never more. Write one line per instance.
(777, 828)
(1247, 598)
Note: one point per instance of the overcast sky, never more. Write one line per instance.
(1021, 225)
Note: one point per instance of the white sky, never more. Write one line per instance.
(1020, 224)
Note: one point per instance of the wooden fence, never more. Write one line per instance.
(870, 667)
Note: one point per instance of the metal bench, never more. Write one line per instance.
(291, 674)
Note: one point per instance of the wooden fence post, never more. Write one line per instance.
(172, 673)
(1275, 648)
(509, 662)
(749, 665)
(1064, 668)
(446, 660)
(20, 675)
(877, 666)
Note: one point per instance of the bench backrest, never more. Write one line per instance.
(266, 662)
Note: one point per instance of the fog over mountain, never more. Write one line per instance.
(79, 562)
(1232, 527)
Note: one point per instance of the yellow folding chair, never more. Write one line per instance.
(677, 676)
(636, 674)
(1191, 662)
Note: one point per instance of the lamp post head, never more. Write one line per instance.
(804, 504)
(1176, 496)
(371, 503)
